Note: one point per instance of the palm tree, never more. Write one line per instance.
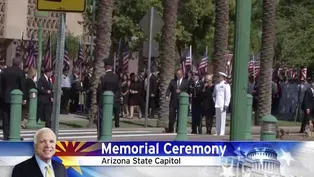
(167, 55)
(102, 49)
(267, 55)
(221, 35)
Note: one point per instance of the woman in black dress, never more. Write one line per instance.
(208, 103)
(125, 86)
(135, 96)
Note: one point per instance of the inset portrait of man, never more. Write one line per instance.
(41, 164)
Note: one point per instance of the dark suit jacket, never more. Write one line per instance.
(308, 101)
(184, 87)
(142, 81)
(153, 85)
(76, 84)
(30, 168)
(29, 84)
(12, 78)
(87, 82)
(109, 82)
(197, 93)
(43, 86)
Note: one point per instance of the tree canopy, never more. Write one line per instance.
(195, 26)
(295, 31)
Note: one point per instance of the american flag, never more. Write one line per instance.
(187, 57)
(183, 67)
(254, 67)
(117, 63)
(80, 56)
(294, 73)
(203, 64)
(66, 59)
(303, 73)
(47, 57)
(32, 55)
(229, 59)
(186, 60)
(126, 59)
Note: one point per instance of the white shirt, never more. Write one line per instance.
(222, 94)
(46, 77)
(179, 83)
(42, 166)
(35, 78)
(66, 82)
(146, 80)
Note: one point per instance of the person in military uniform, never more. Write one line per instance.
(222, 96)
(109, 82)
(196, 94)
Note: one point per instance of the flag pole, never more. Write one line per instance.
(192, 68)
(80, 47)
(21, 48)
(253, 60)
(50, 57)
(118, 57)
(207, 55)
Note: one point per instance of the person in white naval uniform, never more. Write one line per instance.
(221, 95)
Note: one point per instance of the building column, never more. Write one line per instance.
(10, 53)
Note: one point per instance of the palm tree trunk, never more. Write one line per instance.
(102, 49)
(221, 36)
(167, 55)
(267, 55)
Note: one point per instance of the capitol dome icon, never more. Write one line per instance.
(264, 159)
(260, 161)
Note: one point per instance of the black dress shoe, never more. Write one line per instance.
(193, 132)
(167, 130)
(117, 126)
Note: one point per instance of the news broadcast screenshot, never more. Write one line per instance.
(156, 88)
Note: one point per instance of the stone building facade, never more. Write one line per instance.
(19, 17)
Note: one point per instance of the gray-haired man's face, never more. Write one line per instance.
(45, 147)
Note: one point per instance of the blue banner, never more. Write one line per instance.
(150, 148)
(152, 158)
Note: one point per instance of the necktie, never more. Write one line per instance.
(49, 83)
(48, 171)
(178, 84)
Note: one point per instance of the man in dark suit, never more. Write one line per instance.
(45, 97)
(175, 87)
(308, 107)
(76, 87)
(153, 87)
(12, 78)
(109, 82)
(41, 164)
